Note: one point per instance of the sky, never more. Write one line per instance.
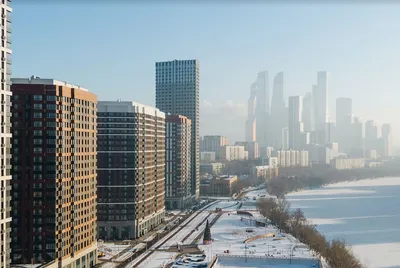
(111, 48)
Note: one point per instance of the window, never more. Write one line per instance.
(37, 115)
(37, 141)
(51, 115)
(37, 123)
(51, 106)
(37, 97)
(37, 106)
(37, 133)
(51, 98)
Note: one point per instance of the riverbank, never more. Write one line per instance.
(336, 253)
(365, 213)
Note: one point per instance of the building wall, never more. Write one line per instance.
(348, 163)
(232, 152)
(214, 144)
(207, 156)
(5, 176)
(177, 170)
(54, 172)
(211, 168)
(177, 92)
(219, 186)
(131, 169)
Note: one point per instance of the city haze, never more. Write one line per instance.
(113, 48)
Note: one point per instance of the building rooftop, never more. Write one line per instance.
(34, 80)
(127, 106)
(227, 177)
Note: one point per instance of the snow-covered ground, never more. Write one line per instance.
(185, 230)
(191, 238)
(228, 205)
(110, 250)
(157, 259)
(229, 233)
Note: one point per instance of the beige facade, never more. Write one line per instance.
(223, 185)
(348, 163)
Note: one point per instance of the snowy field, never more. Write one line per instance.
(229, 233)
(157, 259)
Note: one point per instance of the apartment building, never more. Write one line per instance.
(233, 152)
(214, 144)
(53, 173)
(5, 95)
(178, 162)
(177, 92)
(131, 169)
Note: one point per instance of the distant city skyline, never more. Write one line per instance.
(228, 54)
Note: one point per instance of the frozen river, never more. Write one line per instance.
(365, 213)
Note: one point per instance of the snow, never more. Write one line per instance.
(157, 259)
(110, 250)
(379, 255)
(229, 233)
(229, 205)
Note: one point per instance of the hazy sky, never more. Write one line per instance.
(111, 50)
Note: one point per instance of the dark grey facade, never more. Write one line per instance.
(177, 92)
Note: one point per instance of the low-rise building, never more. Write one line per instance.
(347, 163)
(218, 185)
(211, 168)
(292, 158)
(233, 152)
(265, 172)
(207, 156)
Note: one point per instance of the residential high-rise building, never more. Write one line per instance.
(308, 112)
(320, 94)
(295, 125)
(278, 119)
(251, 123)
(357, 138)
(177, 164)
(54, 169)
(371, 135)
(285, 139)
(5, 177)
(262, 108)
(386, 140)
(214, 144)
(343, 123)
(131, 169)
(177, 92)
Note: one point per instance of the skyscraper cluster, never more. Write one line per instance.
(305, 124)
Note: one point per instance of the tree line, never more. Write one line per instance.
(336, 252)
